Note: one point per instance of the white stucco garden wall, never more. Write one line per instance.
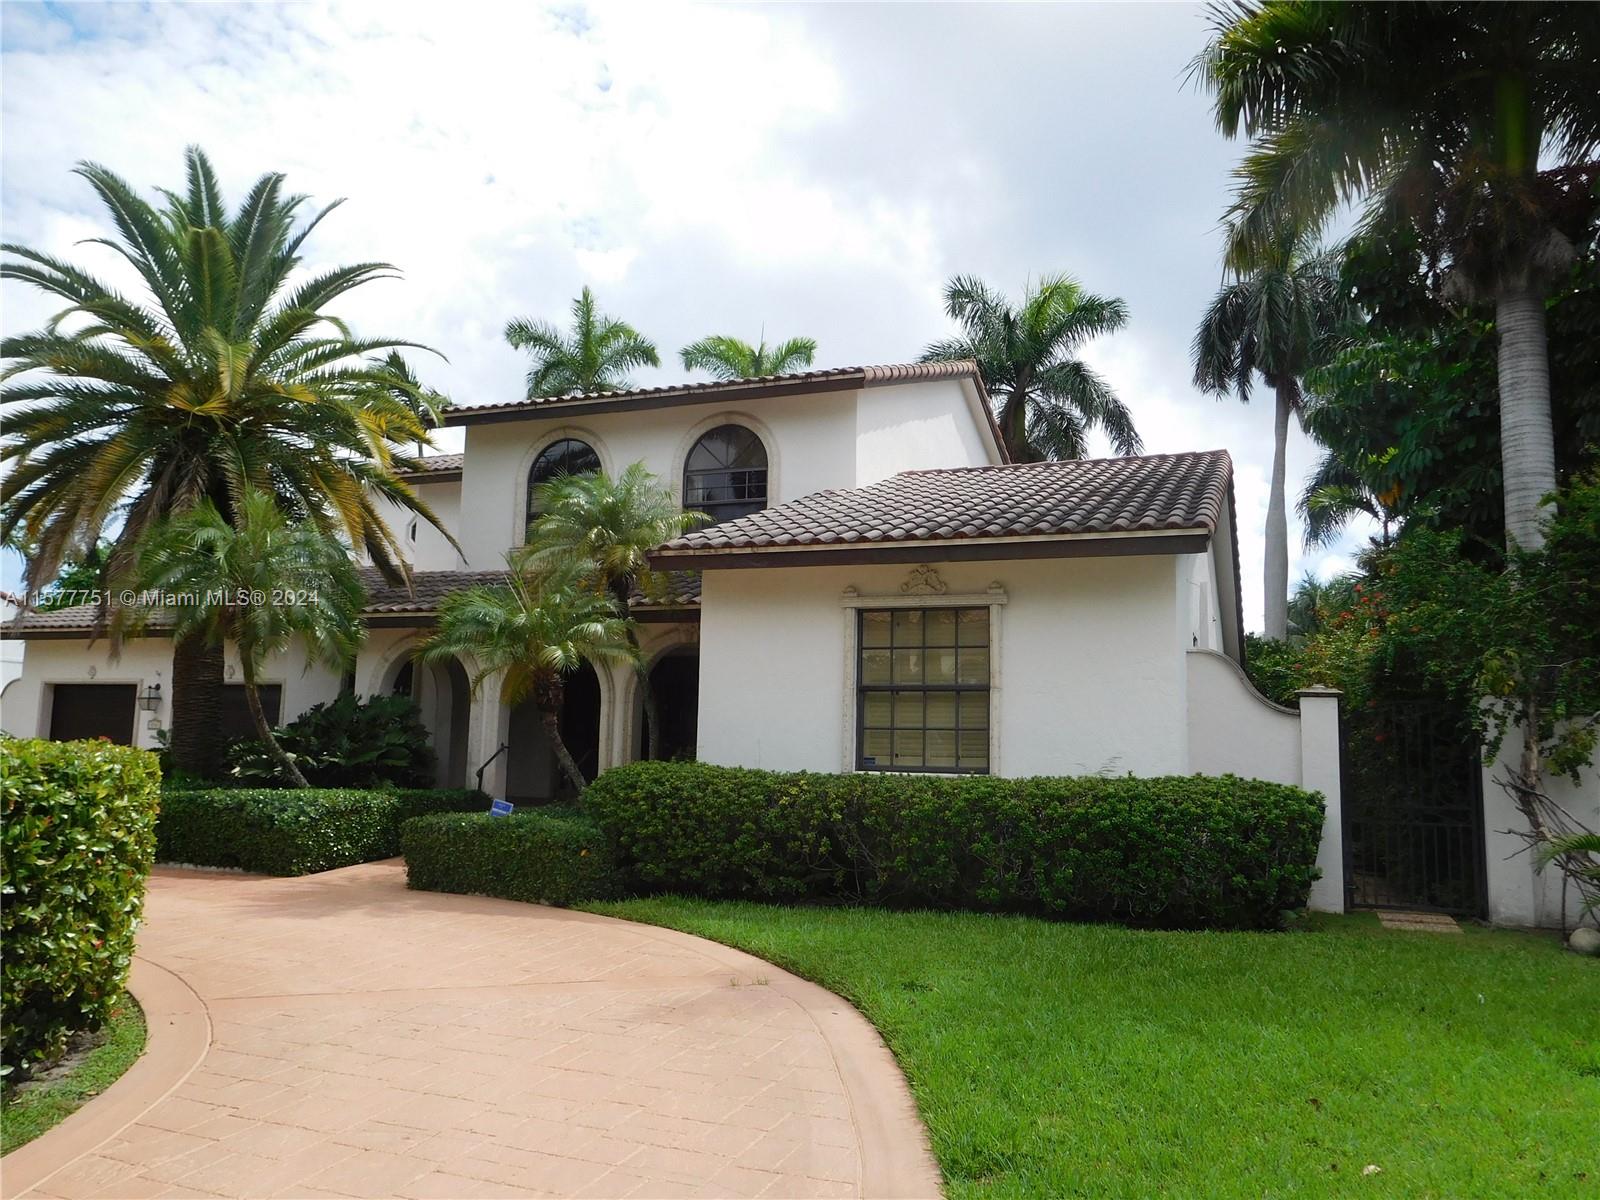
(1520, 893)
(1088, 675)
(1234, 730)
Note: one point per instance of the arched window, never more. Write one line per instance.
(568, 456)
(725, 475)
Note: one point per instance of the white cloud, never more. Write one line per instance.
(810, 170)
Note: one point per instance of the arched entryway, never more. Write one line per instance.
(443, 693)
(532, 773)
(675, 681)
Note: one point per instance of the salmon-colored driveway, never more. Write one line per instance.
(339, 1035)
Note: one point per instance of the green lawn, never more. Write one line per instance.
(34, 1107)
(1073, 1060)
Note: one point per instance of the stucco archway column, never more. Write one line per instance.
(488, 727)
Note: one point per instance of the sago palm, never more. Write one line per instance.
(533, 630)
(596, 357)
(256, 579)
(613, 524)
(1273, 319)
(1476, 124)
(730, 358)
(1049, 401)
(219, 375)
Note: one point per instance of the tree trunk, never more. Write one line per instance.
(1275, 580)
(621, 591)
(569, 765)
(196, 700)
(252, 698)
(1527, 441)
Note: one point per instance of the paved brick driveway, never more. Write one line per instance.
(365, 1040)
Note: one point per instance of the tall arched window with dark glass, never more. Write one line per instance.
(568, 456)
(725, 475)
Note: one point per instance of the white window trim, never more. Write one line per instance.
(852, 601)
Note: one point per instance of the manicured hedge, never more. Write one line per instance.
(528, 856)
(77, 843)
(1172, 851)
(294, 831)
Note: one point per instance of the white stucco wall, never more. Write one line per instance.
(1088, 674)
(25, 711)
(423, 546)
(809, 444)
(824, 440)
(1199, 603)
(1519, 893)
(917, 426)
(1233, 729)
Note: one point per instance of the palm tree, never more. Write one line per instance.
(596, 358)
(1333, 495)
(222, 378)
(1048, 400)
(613, 524)
(1314, 600)
(1273, 319)
(537, 627)
(1440, 116)
(729, 358)
(254, 578)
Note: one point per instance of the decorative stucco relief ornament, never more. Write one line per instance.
(924, 580)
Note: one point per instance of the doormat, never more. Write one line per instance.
(1419, 922)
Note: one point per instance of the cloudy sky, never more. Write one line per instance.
(813, 170)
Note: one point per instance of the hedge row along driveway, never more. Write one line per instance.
(1188, 851)
(78, 838)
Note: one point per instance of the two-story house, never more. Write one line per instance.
(878, 590)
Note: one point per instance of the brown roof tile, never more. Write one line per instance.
(800, 383)
(1108, 496)
(435, 465)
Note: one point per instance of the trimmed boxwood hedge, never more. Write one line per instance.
(294, 831)
(1172, 851)
(528, 856)
(77, 843)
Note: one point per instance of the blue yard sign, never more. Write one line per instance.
(500, 808)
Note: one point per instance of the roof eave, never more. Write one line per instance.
(1188, 540)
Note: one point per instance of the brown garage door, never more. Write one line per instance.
(235, 720)
(79, 711)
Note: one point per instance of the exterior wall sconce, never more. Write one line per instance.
(150, 698)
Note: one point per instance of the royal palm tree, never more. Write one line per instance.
(1273, 319)
(730, 358)
(595, 358)
(1476, 124)
(1048, 400)
(536, 628)
(219, 377)
(613, 524)
(256, 579)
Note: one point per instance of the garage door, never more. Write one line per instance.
(80, 711)
(235, 720)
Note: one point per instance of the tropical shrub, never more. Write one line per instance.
(528, 856)
(1173, 851)
(349, 742)
(283, 831)
(75, 847)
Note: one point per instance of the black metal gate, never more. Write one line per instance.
(1413, 810)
